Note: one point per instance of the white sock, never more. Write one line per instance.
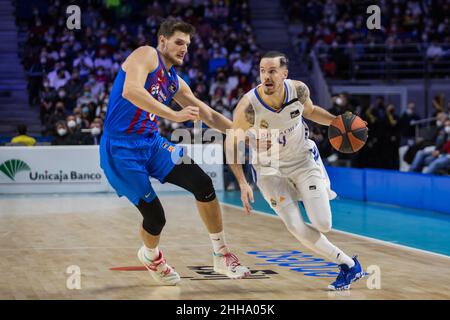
(332, 252)
(151, 253)
(218, 242)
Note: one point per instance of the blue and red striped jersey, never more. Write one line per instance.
(124, 119)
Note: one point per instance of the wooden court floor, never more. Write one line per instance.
(41, 236)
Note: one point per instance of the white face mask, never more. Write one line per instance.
(95, 131)
(62, 131)
(447, 129)
(439, 123)
(71, 124)
(78, 120)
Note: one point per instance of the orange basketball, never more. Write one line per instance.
(347, 133)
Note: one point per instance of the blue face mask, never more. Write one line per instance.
(86, 110)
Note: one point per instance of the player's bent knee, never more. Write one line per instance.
(323, 226)
(204, 189)
(153, 214)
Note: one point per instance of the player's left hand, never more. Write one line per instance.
(246, 195)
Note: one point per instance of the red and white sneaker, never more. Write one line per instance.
(159, 269)
(228, 264)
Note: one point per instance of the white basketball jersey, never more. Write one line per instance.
(285, 127)
(297, 157)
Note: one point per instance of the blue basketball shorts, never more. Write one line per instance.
(128, 164)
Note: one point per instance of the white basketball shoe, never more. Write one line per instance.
(228, 264)
(159, 269)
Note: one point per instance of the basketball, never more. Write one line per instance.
(347, 133)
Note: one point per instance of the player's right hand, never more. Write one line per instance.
(246, 195)
(188, 113)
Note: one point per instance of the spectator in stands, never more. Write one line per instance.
(407, 130)
(96, 133)
(427, 138)
(59, 78)
(57, 116)
(74, 131)
(434, 158)
(74, 89)
(244, 64)
(435, 51)
(438, 104)
(87, 96)
(23, 138)
(62, 136)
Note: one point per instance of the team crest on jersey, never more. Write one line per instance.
(172, 88)
(273, 202)
(264, 124)
(167, 146)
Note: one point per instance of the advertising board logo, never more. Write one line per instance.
(11, 167)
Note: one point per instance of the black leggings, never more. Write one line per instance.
(187, 176)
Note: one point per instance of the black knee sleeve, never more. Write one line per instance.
(192, 178)
(153, 213)
(203, 189)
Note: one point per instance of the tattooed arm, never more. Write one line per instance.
(311, 111)
(243, 119)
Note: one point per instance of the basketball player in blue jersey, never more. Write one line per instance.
(132, 150)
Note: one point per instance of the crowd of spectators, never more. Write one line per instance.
(388, 132)
(71, 72)
(337, 30)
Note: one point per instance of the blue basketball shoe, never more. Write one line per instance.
(347, 276)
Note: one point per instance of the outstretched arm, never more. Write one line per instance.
(311, 111)
(137, 66)
(243, 119)
(185, 97)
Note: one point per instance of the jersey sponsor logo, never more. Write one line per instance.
(157, 93)
(295, 114)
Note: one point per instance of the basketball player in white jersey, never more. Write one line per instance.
(289, 168)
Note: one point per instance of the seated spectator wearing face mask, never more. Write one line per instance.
(74, 130)
(96, 133)
(62, 136)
